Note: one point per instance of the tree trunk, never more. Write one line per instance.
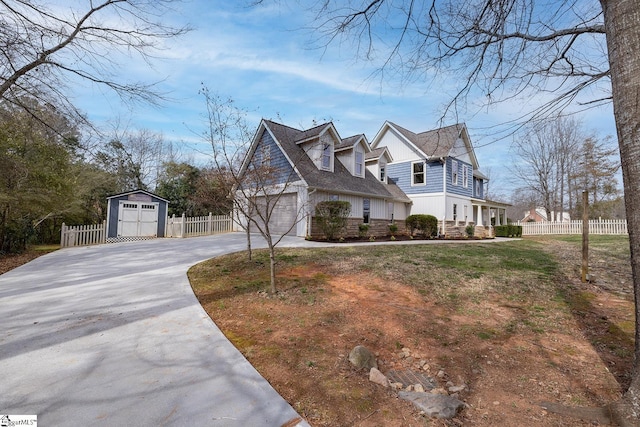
(622, 23)
(272, 265)
(248, 229)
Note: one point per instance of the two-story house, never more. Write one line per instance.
(316, 164)
(439, 172)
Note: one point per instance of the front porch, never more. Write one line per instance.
(485, 215)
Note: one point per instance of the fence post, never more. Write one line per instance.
(63, 235)
(183, 225)
(210, 225)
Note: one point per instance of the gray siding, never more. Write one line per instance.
(400, 173)
(278, 160)
(459, 189)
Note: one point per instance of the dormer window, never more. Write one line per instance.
(359, 169)
(382, 171)
(326, 156)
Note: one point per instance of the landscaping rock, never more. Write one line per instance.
(457, 389)
(434, 405)
(375, 376)
(361, 357)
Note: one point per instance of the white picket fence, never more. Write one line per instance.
(85, 235)
(596, 226)
(198, 225)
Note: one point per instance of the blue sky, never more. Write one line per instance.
(264, 59)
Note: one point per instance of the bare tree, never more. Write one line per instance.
(46, 47)
(546, 158)
(135, 158)
(255, 185)
(507, 48)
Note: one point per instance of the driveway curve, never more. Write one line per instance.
(113, 335)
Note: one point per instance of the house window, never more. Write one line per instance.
(454, 172)
(465, 177)
(418, 176)
(382, 173)
(359, 170)
(326, 156)
(478, 188)
(333, 197)
(366, 210)
(455, 212)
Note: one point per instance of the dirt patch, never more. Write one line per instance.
(10, 261)
(511, 352)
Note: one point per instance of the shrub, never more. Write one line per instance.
(427, 225)
(470, 230)
(509, 230)
(332, 217)
(363, 230)
(393, 229)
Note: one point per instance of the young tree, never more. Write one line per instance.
(506, 48)
(45, 48)
(256, 186)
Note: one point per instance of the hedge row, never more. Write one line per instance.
(508, 230)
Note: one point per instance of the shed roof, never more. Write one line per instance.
(138, 191)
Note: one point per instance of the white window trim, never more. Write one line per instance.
(356, 163)
(424, 173)
(465, 176)
(382, 174)
(323, 156)
(454, 172)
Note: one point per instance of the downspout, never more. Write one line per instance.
(308, 220)
(444, 191)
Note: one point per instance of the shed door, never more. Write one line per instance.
(138, 219)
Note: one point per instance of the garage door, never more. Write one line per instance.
(137, 219)
(284, 214)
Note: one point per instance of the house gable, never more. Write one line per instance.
(376, 162)
(352, 153)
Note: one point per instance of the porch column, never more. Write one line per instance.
(479, 222)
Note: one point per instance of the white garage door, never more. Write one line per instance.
(137, 219)
(284, 214)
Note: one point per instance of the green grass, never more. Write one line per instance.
(450, 273)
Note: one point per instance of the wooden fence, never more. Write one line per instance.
(596, 226)
(85, 235)
(198, 225)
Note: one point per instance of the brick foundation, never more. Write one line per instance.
(377, 228)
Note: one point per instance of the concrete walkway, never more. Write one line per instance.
(113, 335)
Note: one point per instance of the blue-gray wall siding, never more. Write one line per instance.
(400, 173)
(112, 215)
(459, 189)
(278, 159)
(480, 193)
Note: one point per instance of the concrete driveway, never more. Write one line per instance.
(113, 335)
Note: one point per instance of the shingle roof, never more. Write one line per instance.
(348, 142)
(375, 153)
(339, 181)
(434, 143)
